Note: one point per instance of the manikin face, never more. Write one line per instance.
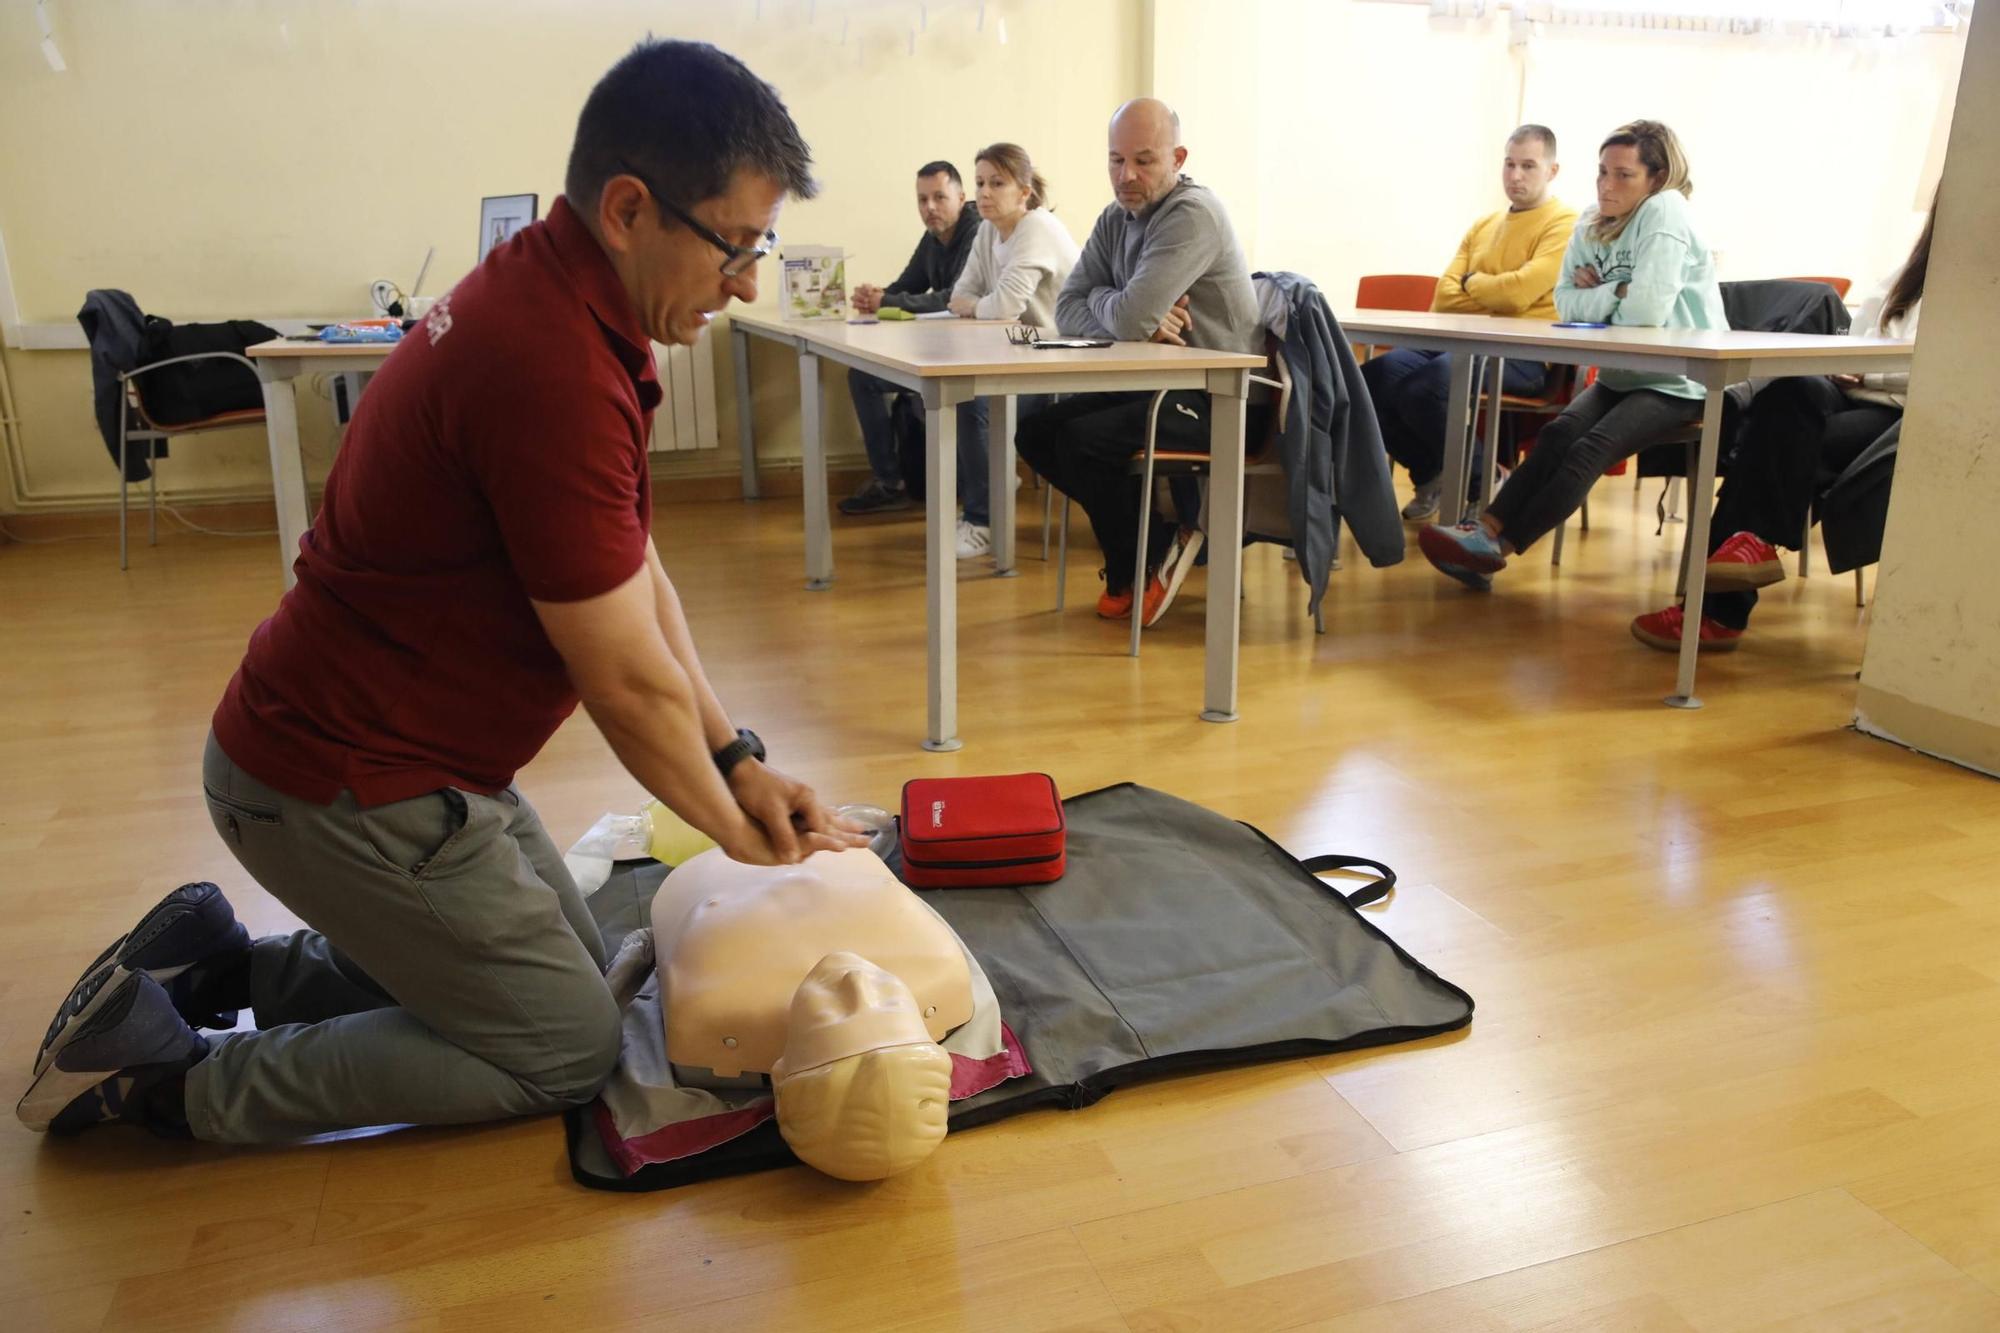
(875, 1108)
(940, 201)
(1527, 172)
(672, 273)
(1623, 183)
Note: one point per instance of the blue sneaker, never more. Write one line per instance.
(121, 1058)
(1465, 549)
(191, 926)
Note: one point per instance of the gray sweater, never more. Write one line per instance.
(1136, 265)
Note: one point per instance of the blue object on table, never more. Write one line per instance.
(361, 333)
(1580, 324)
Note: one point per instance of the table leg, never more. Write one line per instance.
(1701, 499)
(1000, 462)
(941, 565)
(1451, 504)
(812, 443)
(1226, 390)
(1490, 474)
(288, 472)
(746, 435)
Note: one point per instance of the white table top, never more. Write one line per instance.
(287, 347)
(1688, 344)
(941, 348)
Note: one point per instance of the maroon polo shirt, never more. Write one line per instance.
(499, 455)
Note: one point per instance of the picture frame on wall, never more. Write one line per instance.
(500, 216)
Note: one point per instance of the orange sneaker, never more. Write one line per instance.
(1662, 629)
(1743, 562)
(1115, 605)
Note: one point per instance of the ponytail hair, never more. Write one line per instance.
(1660, 153)
(1013, 159)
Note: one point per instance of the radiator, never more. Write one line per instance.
(686, 415)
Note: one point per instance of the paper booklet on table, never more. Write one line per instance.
(815, 282)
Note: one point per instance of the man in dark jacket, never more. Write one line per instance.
(892, 420)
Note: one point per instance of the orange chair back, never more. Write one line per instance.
(1839, 285)
(1395, 291)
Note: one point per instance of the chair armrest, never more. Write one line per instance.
(137, 371)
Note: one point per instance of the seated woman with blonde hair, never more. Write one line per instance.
(1635, 260)
(1020, 259)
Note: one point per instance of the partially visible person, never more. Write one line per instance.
(1020, 259)
(1635, 260)
(1799, 434)
(1506, 265)
(892, 419)
(1161, 265)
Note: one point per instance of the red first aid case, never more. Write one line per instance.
(960, 833)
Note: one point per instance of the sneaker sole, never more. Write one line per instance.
(52, 1088)
(1733, 577)
(1428, 516)
(1441, 550)
(1179, 575)
(1667, 645)
(1471, 578)
(163, 916)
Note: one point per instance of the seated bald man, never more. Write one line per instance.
(1161, 265)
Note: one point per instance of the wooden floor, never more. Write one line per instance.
(1738, 975)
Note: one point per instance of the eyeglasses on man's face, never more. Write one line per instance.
(737, 258)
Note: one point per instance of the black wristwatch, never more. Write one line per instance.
(745, 746)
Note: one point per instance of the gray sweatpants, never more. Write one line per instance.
(452, 973)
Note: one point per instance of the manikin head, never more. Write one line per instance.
(862, 1090)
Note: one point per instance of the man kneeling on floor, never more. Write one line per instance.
(482, 561)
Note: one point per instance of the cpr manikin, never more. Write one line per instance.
(832, 978)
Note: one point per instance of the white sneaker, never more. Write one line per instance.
(974, 540)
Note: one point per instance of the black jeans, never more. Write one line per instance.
(1596, 430)
(1084, 445)
(1796, 438)
(892, 430)
(1411, 392)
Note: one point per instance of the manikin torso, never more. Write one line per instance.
(733, 942)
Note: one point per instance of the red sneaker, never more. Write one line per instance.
(1115, 605)
(1743, 562)
(1662, 630)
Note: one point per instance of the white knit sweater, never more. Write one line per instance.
(1019, 278)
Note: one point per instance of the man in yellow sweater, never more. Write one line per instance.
(1506, 265)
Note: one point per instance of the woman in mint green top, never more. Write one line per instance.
(1637, 259)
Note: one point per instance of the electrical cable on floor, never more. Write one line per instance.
(14, 536)
(193, 526)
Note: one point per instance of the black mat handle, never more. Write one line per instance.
(1373, 891)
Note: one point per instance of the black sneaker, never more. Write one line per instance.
(192, 929)
(124, 1058)
(876, 498)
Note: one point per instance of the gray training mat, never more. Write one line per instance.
(1178, 940)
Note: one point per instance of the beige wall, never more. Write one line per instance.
(1367, 138)
(270, 157)
(1931, 677)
